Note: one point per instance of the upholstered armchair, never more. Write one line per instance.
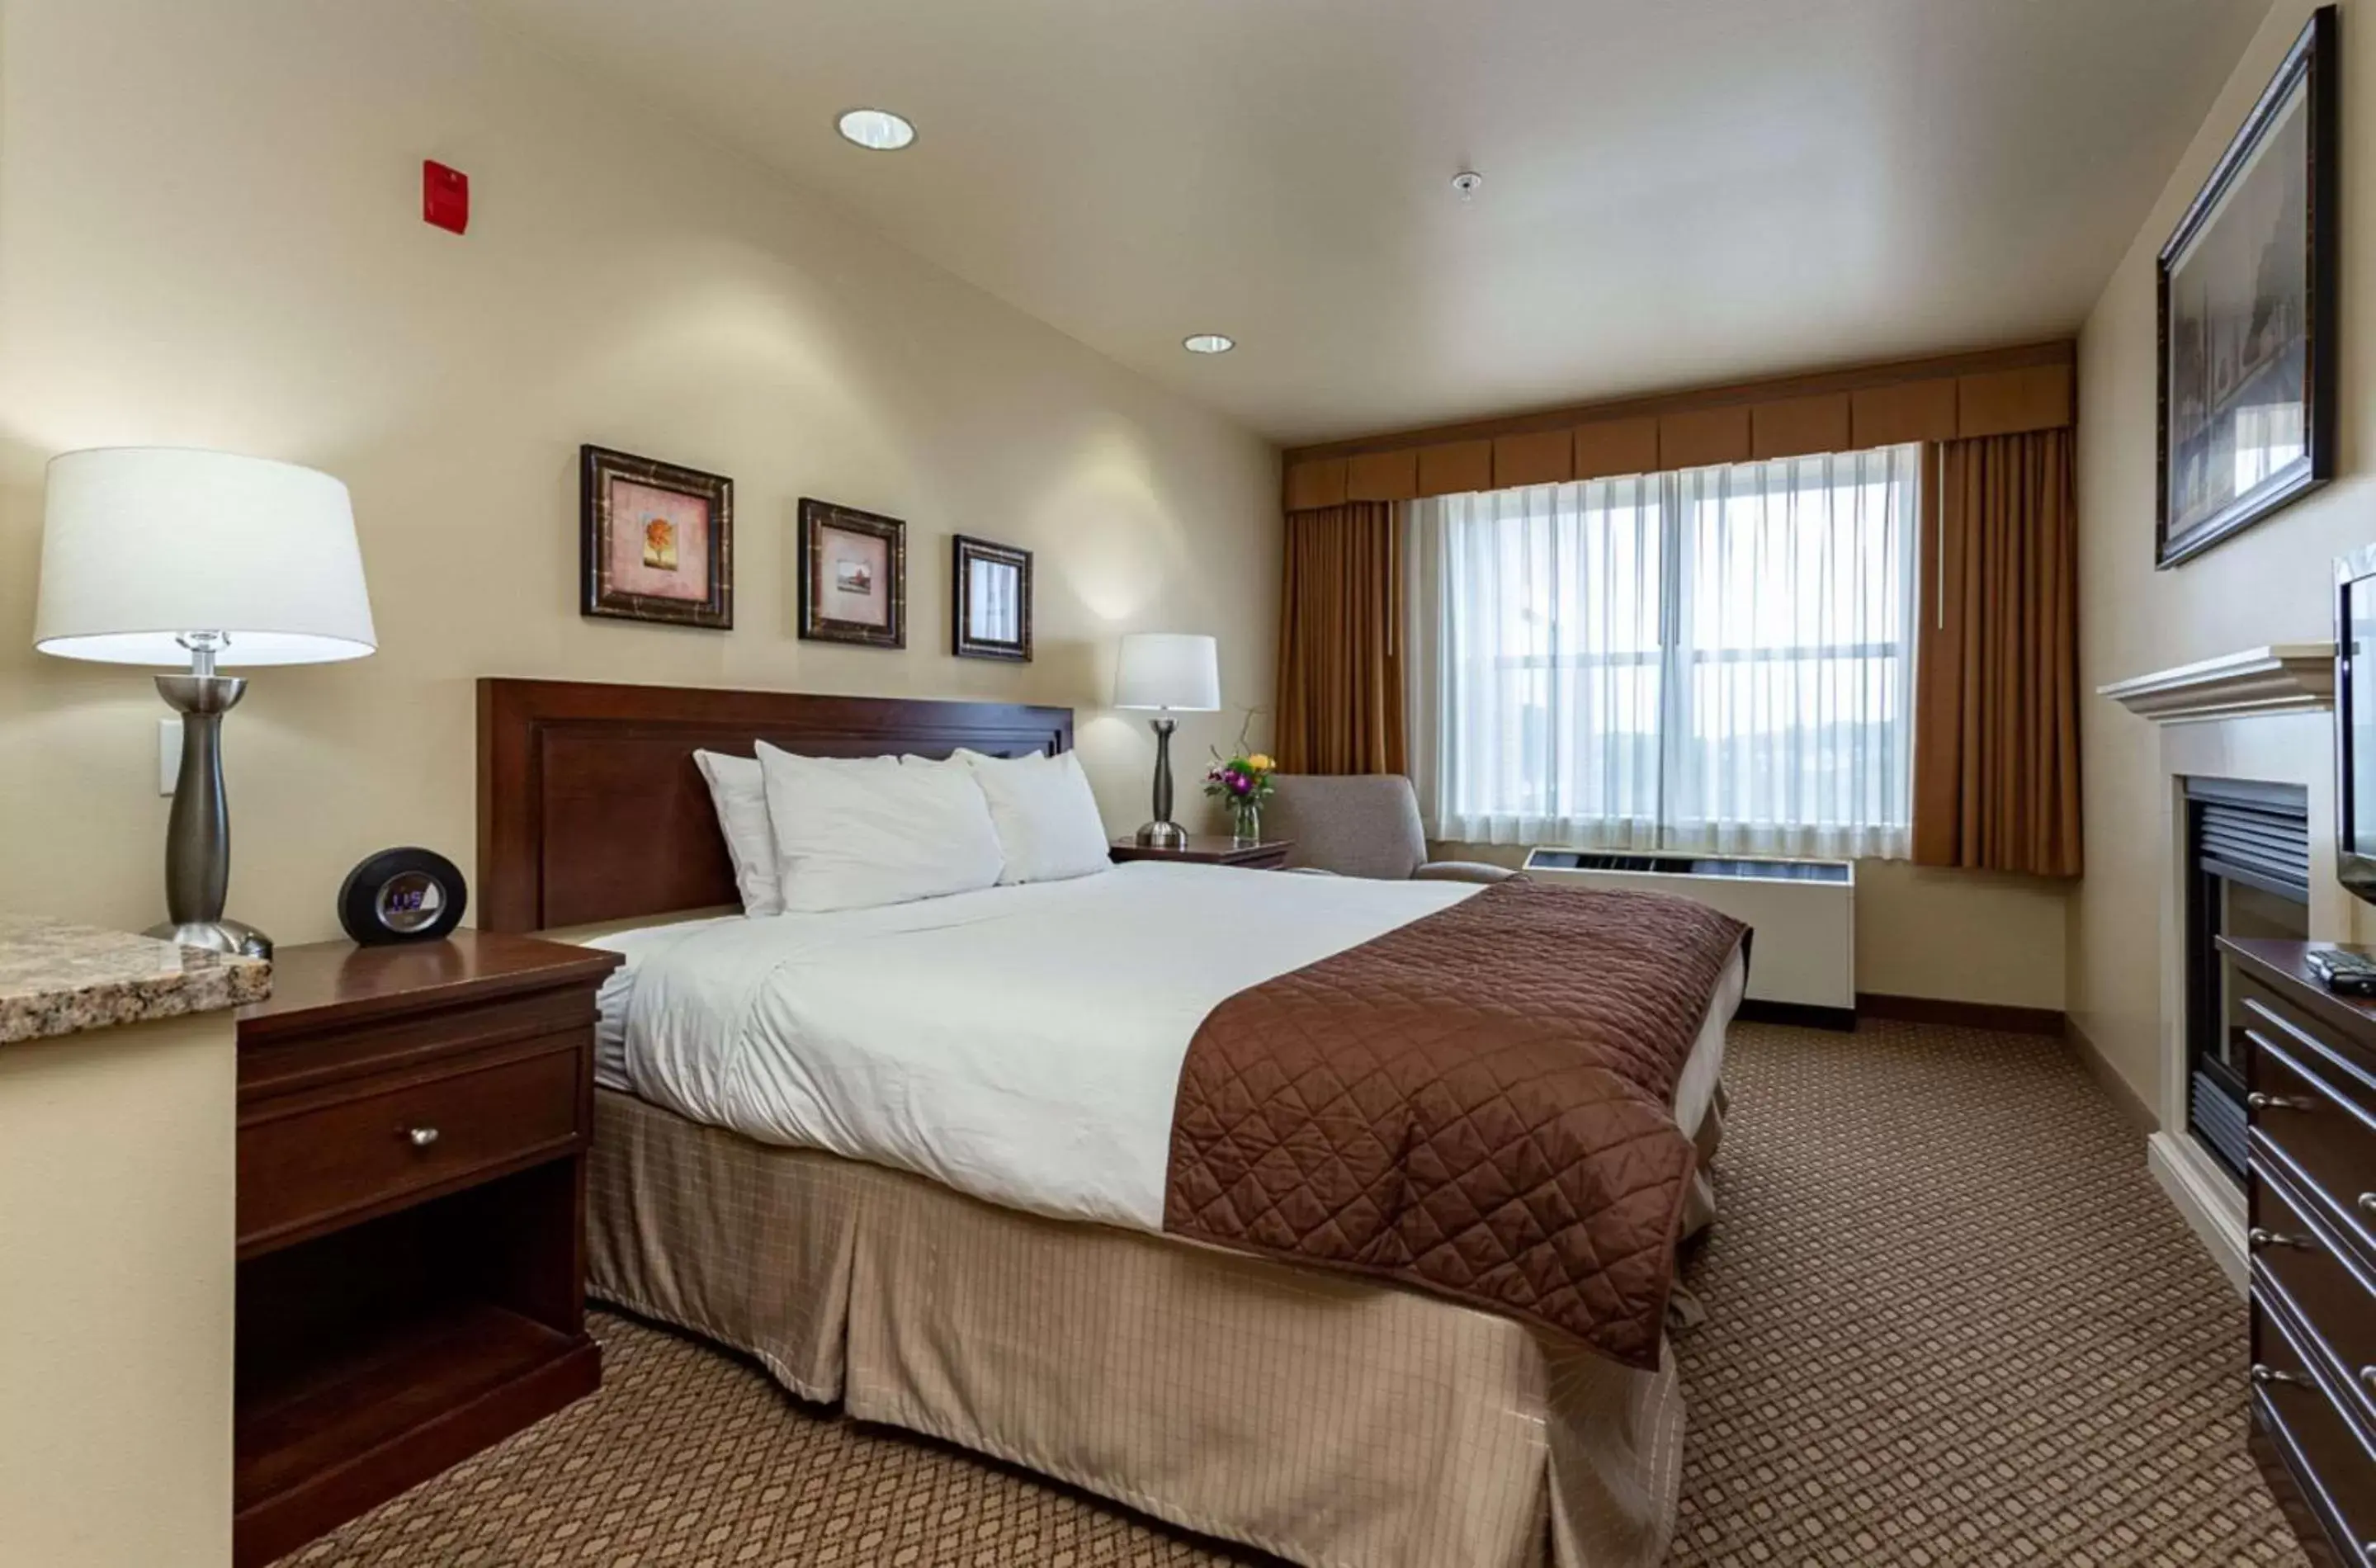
(1360, 824)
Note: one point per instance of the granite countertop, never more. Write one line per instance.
(57, 978)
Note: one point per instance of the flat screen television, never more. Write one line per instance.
(2355, 722)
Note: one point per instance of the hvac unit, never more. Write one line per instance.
(1803, 912)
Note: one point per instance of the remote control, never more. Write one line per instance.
(2349, 974)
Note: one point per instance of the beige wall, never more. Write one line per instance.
(2269, 585)
(1963, 935)
(116, 1225)
(209, 235)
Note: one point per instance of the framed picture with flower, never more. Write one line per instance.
(655, 541)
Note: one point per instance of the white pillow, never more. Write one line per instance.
(1047, 818)
(740, 794)
(853, 833)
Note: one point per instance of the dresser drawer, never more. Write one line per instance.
(307, 1163)
(2326, 1286)
(2327, 1452)
(2313, 1107)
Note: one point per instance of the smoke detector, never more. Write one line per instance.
(1467, 182)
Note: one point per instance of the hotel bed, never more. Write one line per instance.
(914, 1159)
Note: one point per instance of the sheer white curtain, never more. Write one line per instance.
(1719, 658)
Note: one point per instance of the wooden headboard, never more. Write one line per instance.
(590, 808)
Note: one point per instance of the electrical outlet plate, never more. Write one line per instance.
(169, 754)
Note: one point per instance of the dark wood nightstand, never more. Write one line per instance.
(1211, 850)
(412, 1128)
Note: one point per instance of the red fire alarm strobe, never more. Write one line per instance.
(445, 196)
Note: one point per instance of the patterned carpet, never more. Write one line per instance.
(1951, 1321)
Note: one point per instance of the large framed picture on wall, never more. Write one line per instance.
(2248, 285)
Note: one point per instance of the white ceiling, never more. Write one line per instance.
(1677, 191)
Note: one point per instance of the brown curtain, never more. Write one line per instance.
(1996, 723)
(1340, 653)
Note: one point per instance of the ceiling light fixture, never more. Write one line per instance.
(1467, 182)
(1208, 343)
(877, 130)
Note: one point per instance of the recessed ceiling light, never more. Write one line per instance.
(877, 130)
(1208, 343)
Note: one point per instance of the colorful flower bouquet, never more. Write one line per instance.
(1241, 783)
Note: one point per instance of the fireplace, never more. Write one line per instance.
(2248, 874)
(2260, 713)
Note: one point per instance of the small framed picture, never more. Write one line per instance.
(993, 602)
(853, 577)
(655, 541)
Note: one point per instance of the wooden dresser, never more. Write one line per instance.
(412, 1127)
(2311, 1074)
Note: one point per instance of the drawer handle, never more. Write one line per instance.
(2368, 1204)
(2257, 1239)
(2264, 1376)
(2368, 1376)
(420, 1137)
(2259, 1101)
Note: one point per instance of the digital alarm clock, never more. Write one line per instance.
(408, 895)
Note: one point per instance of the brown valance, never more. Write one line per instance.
(1340, 656)
(1996, 717)
(1963, 397)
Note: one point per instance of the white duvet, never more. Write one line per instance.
(1019, 1044)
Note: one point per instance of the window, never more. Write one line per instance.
(1718, 658)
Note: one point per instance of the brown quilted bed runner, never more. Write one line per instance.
(1477, 1102)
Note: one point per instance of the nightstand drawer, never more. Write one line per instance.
(2324, 1447)
(307, 1166)
(2313, 1111)
(2326, 1290)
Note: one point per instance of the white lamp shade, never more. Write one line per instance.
(1180, 671)
(142, 545)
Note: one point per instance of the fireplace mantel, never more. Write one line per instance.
(2279, 678)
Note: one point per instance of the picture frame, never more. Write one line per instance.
(990, 601)
(655, 541)
(2246, 296)
(853, 577)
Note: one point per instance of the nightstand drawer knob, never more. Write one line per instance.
(2257, 1239)
(2368, 1205)
(2267, 1375)
(422, 1137)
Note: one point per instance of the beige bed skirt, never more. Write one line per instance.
(1334, 1422)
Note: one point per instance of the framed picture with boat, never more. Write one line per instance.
(853, 577)
(2248, 285)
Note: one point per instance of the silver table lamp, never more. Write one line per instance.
(161, 556)
(1171, 673)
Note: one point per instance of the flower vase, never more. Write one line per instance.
(1245, 822)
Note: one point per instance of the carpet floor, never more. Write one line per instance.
(1951, 1321)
